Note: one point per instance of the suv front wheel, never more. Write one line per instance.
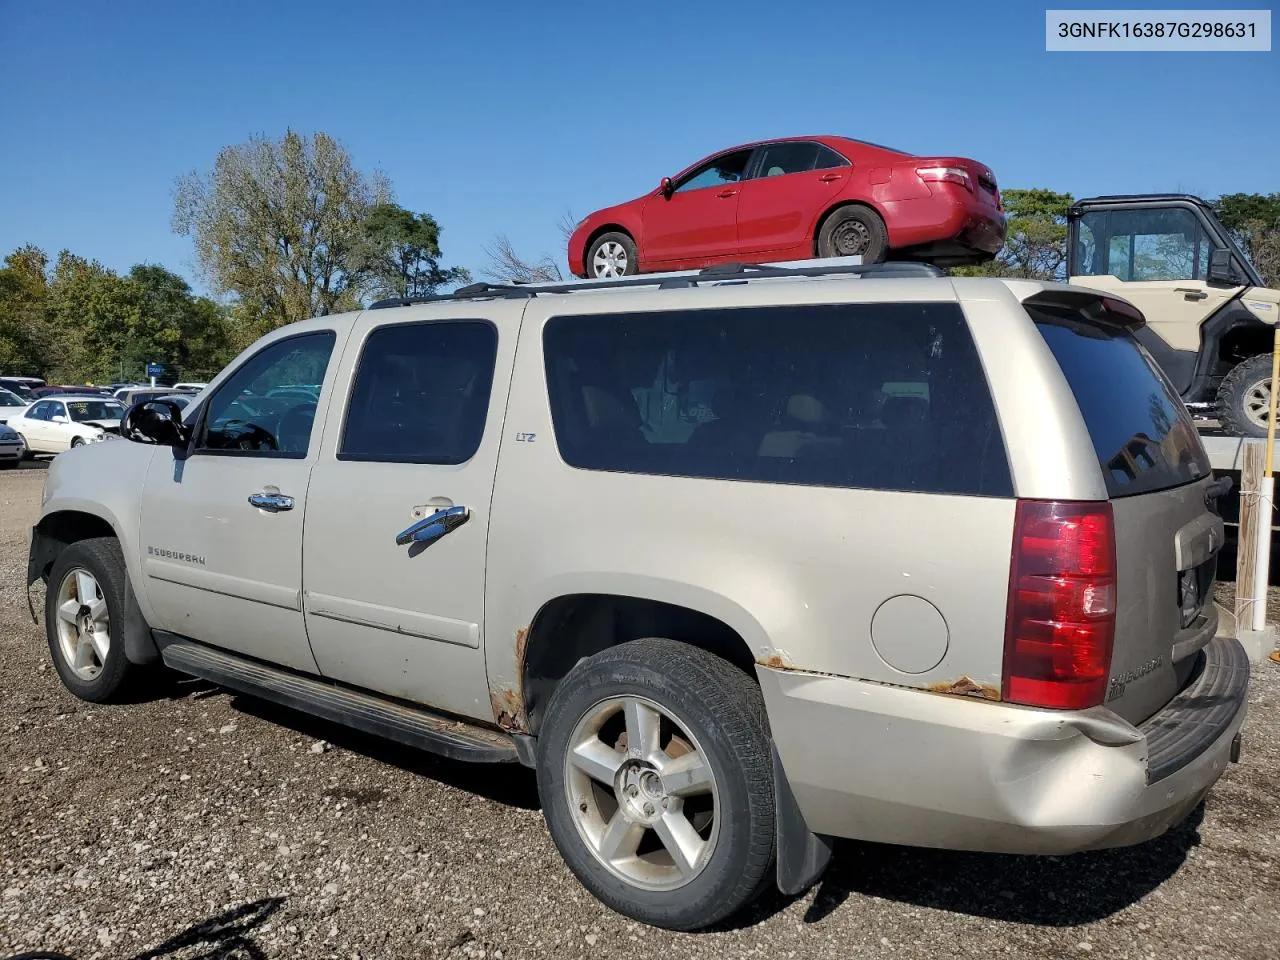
(656, 781)
(84, 599)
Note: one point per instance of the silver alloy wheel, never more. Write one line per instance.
(642, 793)
(610, 260)
(84, 628)
(1257, 403)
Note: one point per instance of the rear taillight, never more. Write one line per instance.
(947, 175)
(1062, 605)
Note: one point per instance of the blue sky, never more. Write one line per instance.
(499, 116)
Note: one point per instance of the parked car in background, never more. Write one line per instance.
(190, 387)
(11, 404)
(22, 386)
(796, 198)
(58, 423)
(131, 395)
(12, 448)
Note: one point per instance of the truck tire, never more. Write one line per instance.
(854, 231)
(699, 782)
(85, 597)
(1244, 397)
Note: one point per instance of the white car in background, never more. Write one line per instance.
(59, 423)
(11, 405)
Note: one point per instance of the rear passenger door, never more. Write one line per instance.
(794, 181)
(395, 603)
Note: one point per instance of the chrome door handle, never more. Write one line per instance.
(274, 502)
(432, 528)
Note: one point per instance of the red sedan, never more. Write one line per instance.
(796, 198)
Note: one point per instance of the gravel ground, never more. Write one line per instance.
(202, 824)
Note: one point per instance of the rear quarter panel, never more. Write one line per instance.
(799, 572)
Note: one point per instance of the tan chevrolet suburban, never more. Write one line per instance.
(740, 561)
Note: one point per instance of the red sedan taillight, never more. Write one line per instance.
(1061, 620)
(946, 174)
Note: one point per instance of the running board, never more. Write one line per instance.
(412, 726)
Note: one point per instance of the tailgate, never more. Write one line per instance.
(1167, 547)
(1157, 474)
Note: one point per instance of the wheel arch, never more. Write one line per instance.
(840, 205)
(572, 626)
(59, 529)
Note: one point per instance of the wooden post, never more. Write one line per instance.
(1255, 524)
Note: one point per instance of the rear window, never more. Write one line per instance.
(1143, 436)
(878, 396)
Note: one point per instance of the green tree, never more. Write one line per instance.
(24, 312)
(94, 312)
(1254, 221)
(1035, 245)
(280, 224)
(401, 254)
(175, 326)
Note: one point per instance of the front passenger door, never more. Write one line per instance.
(221, 530)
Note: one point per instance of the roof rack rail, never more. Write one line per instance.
(719, 273)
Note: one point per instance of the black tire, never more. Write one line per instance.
(8, 464)
(722, 708)
(853, 231)
(1234, 394)
(27, 452)
(102, 558)
(632, 265)
(77, 442)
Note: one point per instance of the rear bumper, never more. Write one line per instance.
(895, 765)
(952, 220)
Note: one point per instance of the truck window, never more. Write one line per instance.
(421, 393)
(243, 420)
(1137, 245)
(879, 396)
(1143, 435)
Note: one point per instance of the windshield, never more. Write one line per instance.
(82, 410)
(10, 399)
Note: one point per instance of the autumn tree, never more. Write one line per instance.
(24, 326)
(1254, 221)
(281, 224)
(506, 265)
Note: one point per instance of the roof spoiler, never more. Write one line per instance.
(1095, 306)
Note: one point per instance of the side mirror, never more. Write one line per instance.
(156, 422)
(1222, 268)
(58, 418)
(666, 188)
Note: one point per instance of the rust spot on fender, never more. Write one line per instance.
(773, 660)
(1276, 656)
(507, 703)
(966, 687)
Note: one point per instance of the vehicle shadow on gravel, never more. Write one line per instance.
(510, 784)
(1044, 891)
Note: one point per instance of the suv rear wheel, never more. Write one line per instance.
(1244, 397)
(85, 596)
(656, 782)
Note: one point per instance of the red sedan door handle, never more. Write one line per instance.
(726, 194)
(828, 177)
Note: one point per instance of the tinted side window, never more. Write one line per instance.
(828, 158)
(40, 411)
(1144, 438)
(244, 418)
(779, 159)
(726, 169)
(879, 396)
(421, 393)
